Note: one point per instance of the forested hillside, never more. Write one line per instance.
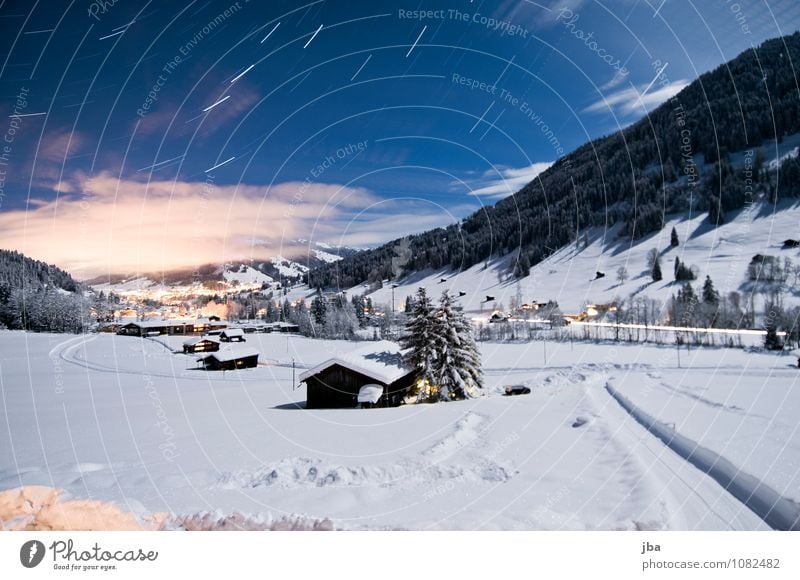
(38, 296)
(679, 157)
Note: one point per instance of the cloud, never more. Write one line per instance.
(616, 79)
(167, 117)
(124, 225)
(58, 146)
(628, 101)
(389, 220)
(538, 14)
(509, 181)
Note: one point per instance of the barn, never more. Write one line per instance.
(201, 344)
(371, 376)
(230, 359)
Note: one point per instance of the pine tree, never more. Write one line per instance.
(673, 241)
(683, 272)
(319, 310)
(687, 294)
(458, 372)
(418, 340)
(358, 305)
(522, 267)
(657, 276)
(710, 294)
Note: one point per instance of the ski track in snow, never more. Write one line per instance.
(616, 464)
(778, 512)
(69, 352)
(700, 399)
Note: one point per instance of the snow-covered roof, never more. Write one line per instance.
(233, 332)
(380, 361)
(194, 340)
(231, 353)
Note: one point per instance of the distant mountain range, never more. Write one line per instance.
(277, 271)
(712, 148)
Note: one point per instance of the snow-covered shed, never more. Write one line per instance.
(232, 335)
(230, 358)
(338, 381)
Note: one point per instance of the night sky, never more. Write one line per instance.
(146, 136)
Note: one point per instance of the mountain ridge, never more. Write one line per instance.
(675, 159)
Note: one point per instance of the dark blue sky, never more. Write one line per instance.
(391, 118)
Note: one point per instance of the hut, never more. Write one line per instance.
(232, 335)
(230, 359)
(201, 344)
(371, 376)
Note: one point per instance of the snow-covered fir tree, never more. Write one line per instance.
(419, 340)
(457, 366)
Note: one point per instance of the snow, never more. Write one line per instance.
(779, 512)
(370, 394)
(129, 423)
(326, 256)
(126, 286)
(288, 268)
(381, 361)
(246, 277)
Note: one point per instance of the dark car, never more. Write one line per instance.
(517, 390)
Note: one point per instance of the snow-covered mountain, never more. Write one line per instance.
(288, 267)
(570, 275)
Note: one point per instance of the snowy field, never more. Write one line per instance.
(126, 420)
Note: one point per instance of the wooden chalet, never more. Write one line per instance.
(371, 376)
(232, 335)
(201, 344)
(170, 327)
(229, 359)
